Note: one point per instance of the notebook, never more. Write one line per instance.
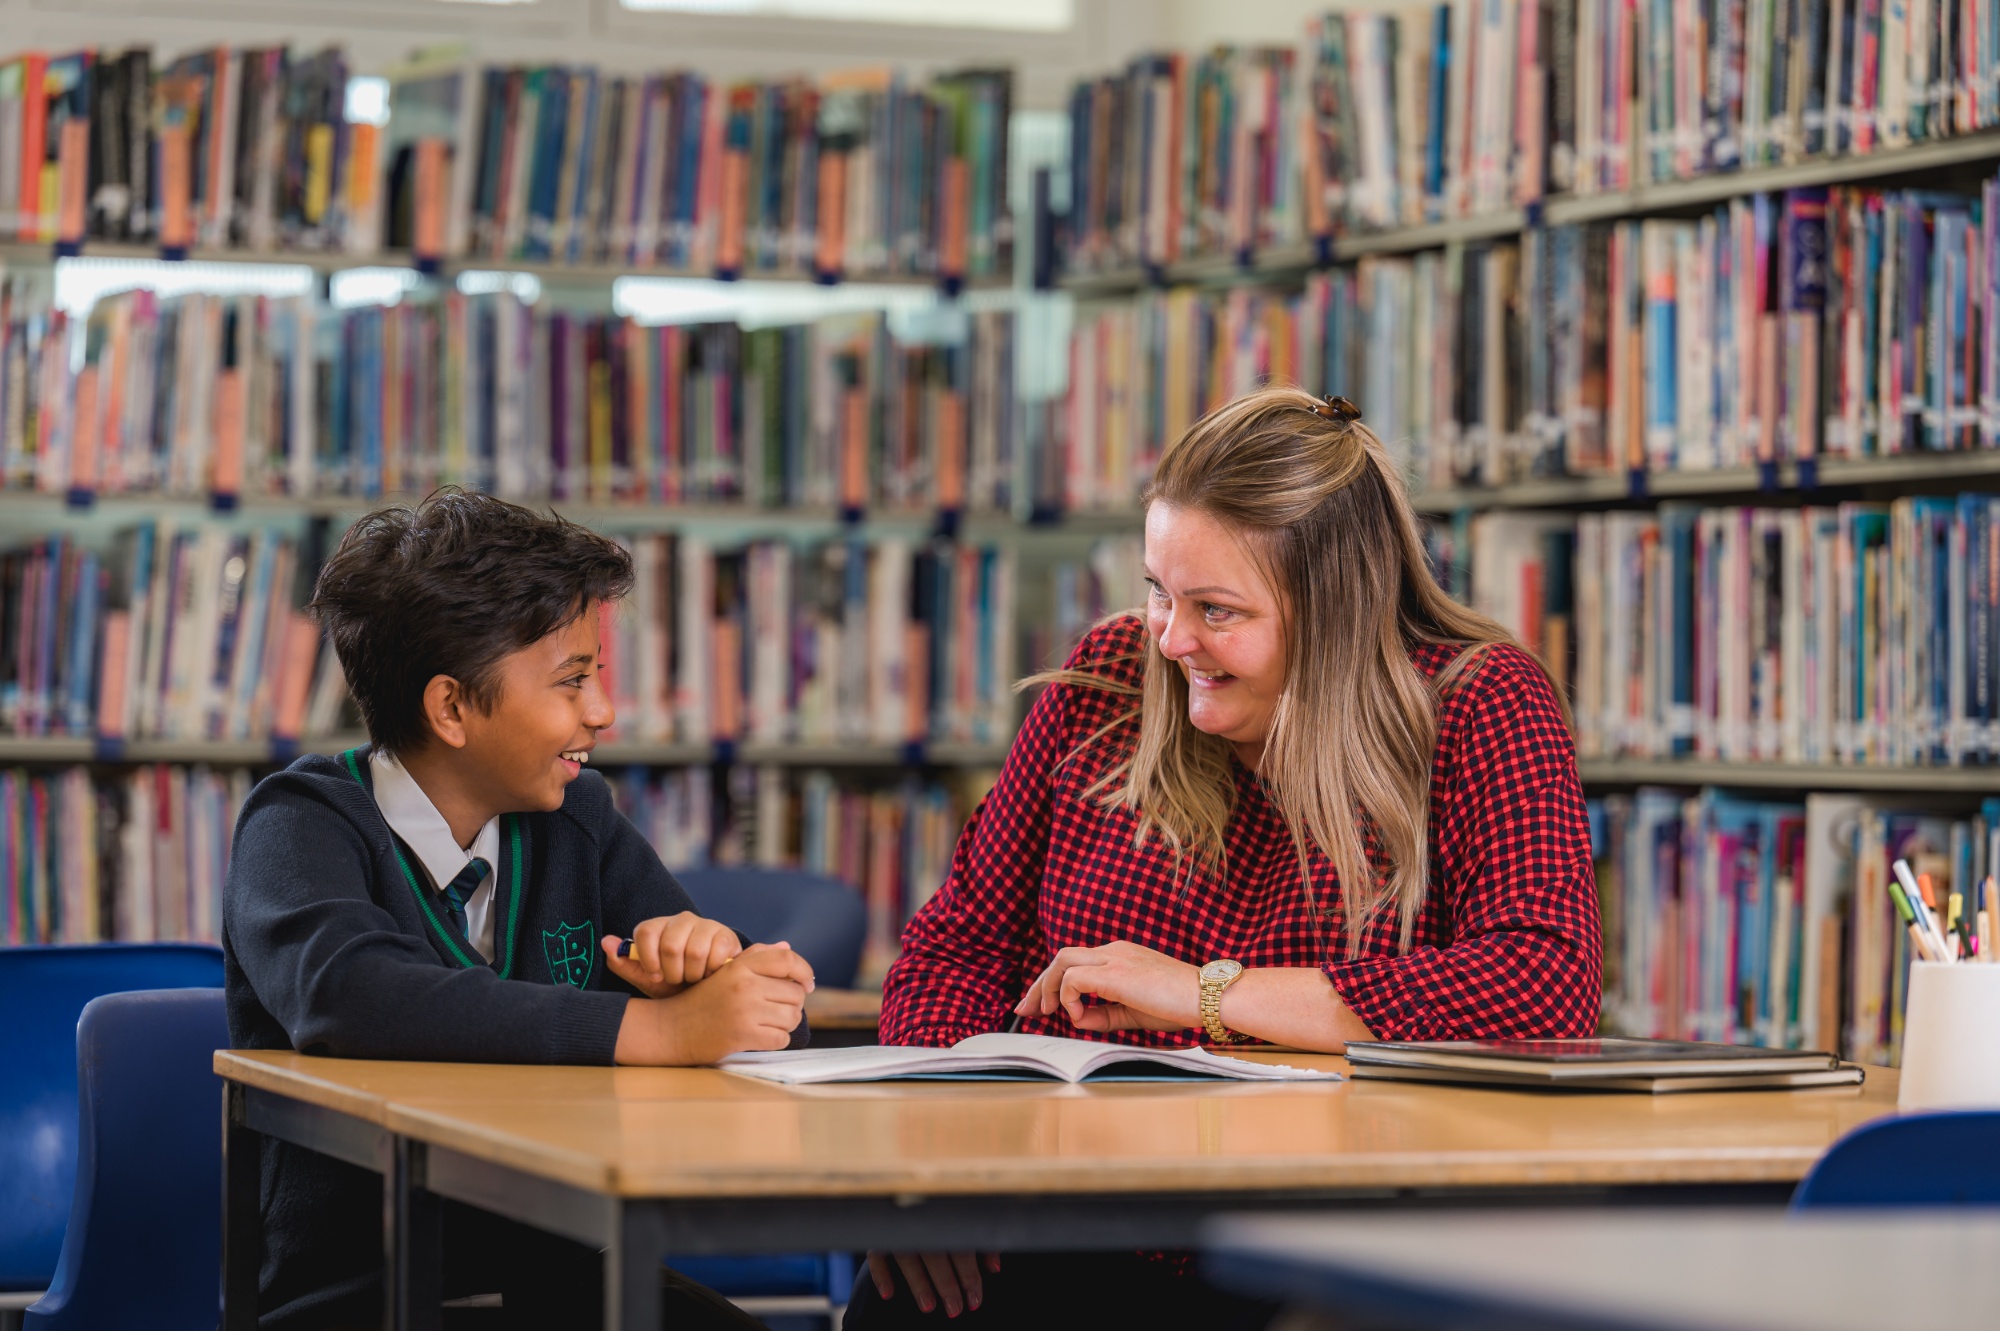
(1608, 1064)
(999, 1056)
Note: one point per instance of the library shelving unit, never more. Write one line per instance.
(1290, 262)
(1831, 478)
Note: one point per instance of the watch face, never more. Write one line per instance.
(1222, 970)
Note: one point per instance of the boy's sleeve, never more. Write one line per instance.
(336, 972)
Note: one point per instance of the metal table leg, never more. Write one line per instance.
(412, 1241)
(242, 1212)
(632, 1270)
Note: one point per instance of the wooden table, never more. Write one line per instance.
(644, 1161)
(1668, 1271)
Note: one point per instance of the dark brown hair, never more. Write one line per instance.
(449, 587)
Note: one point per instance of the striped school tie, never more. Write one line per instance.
(460, 889)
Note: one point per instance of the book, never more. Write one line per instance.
(1560, 1062)
(1843, 1074)
(1001, 1056)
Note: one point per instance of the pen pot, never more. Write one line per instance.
(1951, 1037)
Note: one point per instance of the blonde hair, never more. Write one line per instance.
(1322, 508)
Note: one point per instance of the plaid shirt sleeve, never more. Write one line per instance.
(1513, 901)
(968, 955)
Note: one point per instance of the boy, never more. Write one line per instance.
(463, 889)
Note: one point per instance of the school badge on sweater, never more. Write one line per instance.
(570, 952)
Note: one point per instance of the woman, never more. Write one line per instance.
(1305, 759)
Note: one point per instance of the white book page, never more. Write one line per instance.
(1065, 1059)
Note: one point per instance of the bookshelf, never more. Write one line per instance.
(1758, 566)
(22, 255)
(1290, 262)
(610, 754)
(1598, 773)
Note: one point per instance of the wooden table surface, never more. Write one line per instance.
(697, 1132)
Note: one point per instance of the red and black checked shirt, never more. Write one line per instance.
(1507, 943)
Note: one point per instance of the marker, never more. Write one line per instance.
(1921, 909)
(1918, 938)
(625, 948)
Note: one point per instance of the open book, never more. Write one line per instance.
(998, 1056)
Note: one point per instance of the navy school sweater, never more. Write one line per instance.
(334, 943)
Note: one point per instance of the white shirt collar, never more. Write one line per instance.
(411, 816)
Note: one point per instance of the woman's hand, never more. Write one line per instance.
(933, 1277)
(670, 952)
(1137, 989)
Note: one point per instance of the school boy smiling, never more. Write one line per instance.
(462, 888)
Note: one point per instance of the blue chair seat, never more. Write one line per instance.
(43, 991)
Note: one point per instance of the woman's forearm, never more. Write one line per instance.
(1293, 1005)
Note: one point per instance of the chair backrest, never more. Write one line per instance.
(822, 918)
(1941, 1159)
(42, 992)
(144, 1246)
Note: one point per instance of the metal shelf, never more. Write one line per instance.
(29, 255)
(261, 753)
(1666, 196)
(821, 520)
(1577, 491)
(1788, 776)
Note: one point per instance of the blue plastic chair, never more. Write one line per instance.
(825, 921)
(144, 1246)
(1938, 1159)
(43, 991)
(822, 918)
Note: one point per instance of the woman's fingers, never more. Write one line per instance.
(1044, 996)
(966, 1265)
(943, 1272)
(882, 1271)
(1099, 980)
(911, 1264)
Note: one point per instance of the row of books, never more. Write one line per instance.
(891, 843)
(187, 631)
(1409, 115)
(253, 395)
(843, 642)
(251, 148)
(1109, 579)
(194, 632)
(220, 148)
(137, 858)
(1671, 89)
(1819, 323)
(1856, 633)
(1761, 922)
(1180, 155)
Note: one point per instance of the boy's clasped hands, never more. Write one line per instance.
(706, 995)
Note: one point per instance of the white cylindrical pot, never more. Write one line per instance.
(1951, 1037)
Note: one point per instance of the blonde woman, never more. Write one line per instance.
(1302, 760)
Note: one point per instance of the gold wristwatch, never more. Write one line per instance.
(1215, 977)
